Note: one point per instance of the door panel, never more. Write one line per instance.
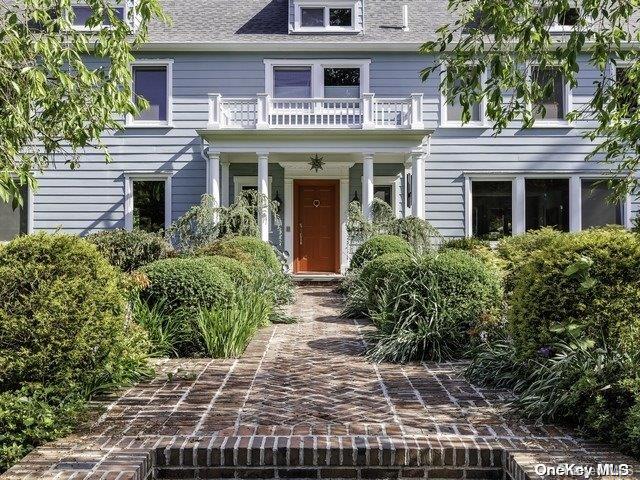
(316, 226)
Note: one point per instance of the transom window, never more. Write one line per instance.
(152, 81)
(553, 105)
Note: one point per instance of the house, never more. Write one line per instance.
(247, 95)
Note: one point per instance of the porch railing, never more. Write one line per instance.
(263, 112)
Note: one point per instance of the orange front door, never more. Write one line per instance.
(316, 226)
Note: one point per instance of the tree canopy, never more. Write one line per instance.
(63, 83)
(492, 49)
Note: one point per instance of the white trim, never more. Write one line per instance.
(575, 203)
(446, 123)
(116, 4)
(317, 72)
(160, 62)
(326, 5)
(240, 181)
(567, 99)
(395, 183)
(129, 178)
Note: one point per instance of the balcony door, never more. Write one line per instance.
(316, 227)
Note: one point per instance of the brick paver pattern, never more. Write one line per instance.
(301, 388)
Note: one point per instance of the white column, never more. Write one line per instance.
(288, 220)
(344, 213)
(367, 184)
(575, 204)
(224, 184)
(518, 207)
(213, 177)
(263, 191)
(417, 184)
(468, 210)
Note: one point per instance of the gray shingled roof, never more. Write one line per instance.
(253, 21)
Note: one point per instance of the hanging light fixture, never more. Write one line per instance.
(355, 197)
(317, 163)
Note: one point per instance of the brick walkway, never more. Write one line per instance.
(304, 403)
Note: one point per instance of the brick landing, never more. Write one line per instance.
(304, 403)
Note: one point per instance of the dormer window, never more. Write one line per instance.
(326, 16)
(82, 13)
(566, 21)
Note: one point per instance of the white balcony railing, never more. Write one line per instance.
(263, 112)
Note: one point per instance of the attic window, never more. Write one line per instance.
(566, 20)
(318, 16)
(82, 13)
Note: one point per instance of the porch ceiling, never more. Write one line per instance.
(321, 141)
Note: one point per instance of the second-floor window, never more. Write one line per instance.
(342, 83)
(627, 99)
(152, 81)
(317, 16)
(553, 105)
(82, 13)
(454, 110)
(292, 82)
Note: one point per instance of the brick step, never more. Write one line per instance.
(326, 457)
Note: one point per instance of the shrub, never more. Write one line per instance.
(62, 317)
(590, 280)
(420, 234)
(379, 245)
(469, 244)
(130, 250)
(187, 283)
(480, 249)
(428, 309)
(236, 270)
(261, 252)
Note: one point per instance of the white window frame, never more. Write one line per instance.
(240, 181)
(168, 123)
(567, 98)
(83, 28)
(130, 178)
(317, 72)
(519, 194)
(446, 123)
(327, 6)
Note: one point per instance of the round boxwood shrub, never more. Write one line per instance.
(429, 308)
(589, 280)
(62, 316)
(237, 271)
(379, 245)
(130, 250)
(187, 283)
(260, 252)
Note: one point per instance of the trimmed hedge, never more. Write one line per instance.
(250, 250)
(377, 246)
(376, 273)
(237, 271)
(590, 279)
(130, 250)
(187, 283)
(62, 316)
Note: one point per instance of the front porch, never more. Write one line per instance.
(314, 204)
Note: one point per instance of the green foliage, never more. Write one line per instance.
(130, 250)
(164, 333)
(589, 280)
(260, 252)
(54, 96)
(429, 309)
(31, 417)
(226, 330)
(62, 317)
(466, 243)
(206, 223)
(480, 249)
(237, 271)
(379, 245)
(418, 232)
(488, 56)
(187, 283)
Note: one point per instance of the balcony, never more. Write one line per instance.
(367, 113)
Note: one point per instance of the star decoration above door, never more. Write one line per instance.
(317, 163)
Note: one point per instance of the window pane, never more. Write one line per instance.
(454, 110)
(82, 14)
(151, 84)
(342, 83)
(569, 17)
(554, 102)
(384, 193)
(13, 222)
(630, 100)
(547, 204)
(491, 209)
(148, 205)
(292, 82)
(596, 210)
(340, 17)
(312, 17)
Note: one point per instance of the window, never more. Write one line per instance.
(312, 17)
(384, 193)
(292, 82)
(629, 101)
(147, 201)
(553, 105)
(342, 83)
(82, 13)
(408, 188)
(597, 211)
(547, 203)
(491, 209)
(14, 222)
(454, 110)
(152, 80)
(566, 21)
(340, 17)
